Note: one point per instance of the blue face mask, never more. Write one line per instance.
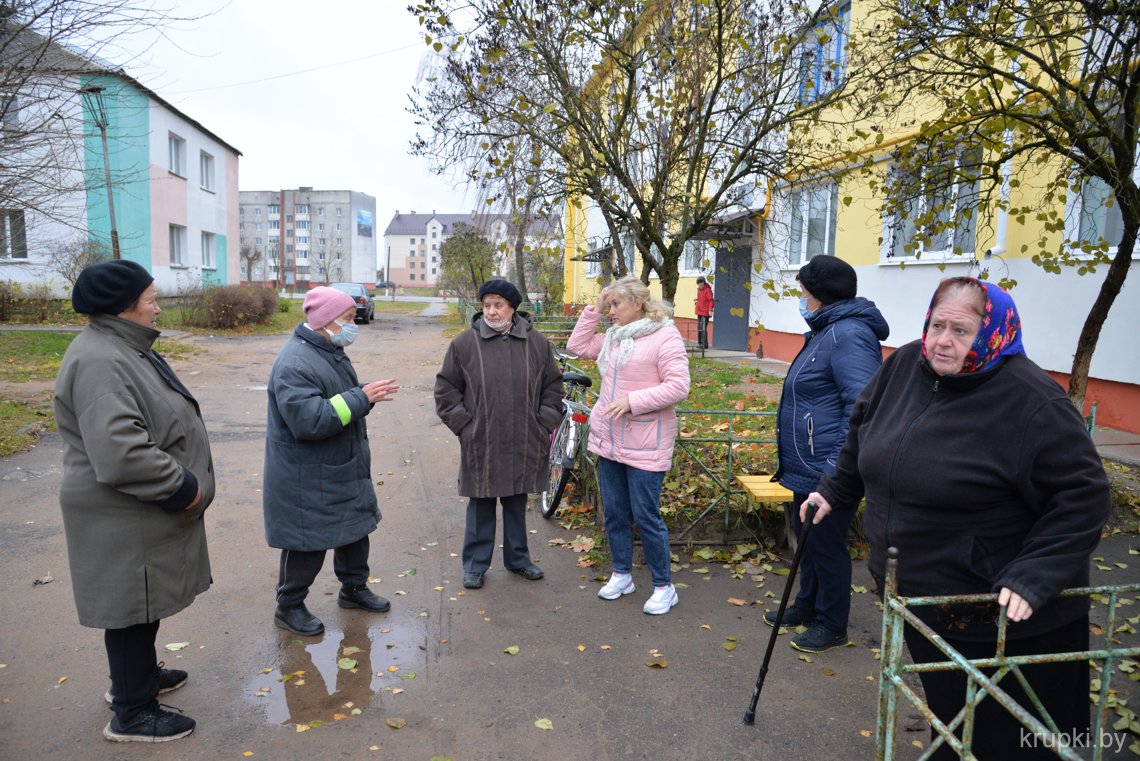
(806, 313)
(346, 335)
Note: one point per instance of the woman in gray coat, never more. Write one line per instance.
(318, 493)
(500, 392)
(137, 478)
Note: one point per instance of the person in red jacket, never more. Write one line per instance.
(704, 310)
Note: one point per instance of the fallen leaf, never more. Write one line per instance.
(248, 753)
(546, 724)
(346, 664)
(700, 570)
(736, 601)
(805, 658)
(512, 650)
(606, 647)
(339, 716)
(657, 663)
(397, 690)
(61, 680)
(731, 639)
(350, 650)
(916, 743)
(303, 727)
(782, 571)
(706, 626)
(393, 669)
(400, 592)
(395, 722)
(437, 589)
(728, 645)
(176, 646)
(581, 648)
(826, 671)
(865, 732)
(43, 580)
(409, 675)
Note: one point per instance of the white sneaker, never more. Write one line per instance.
(662, 600)
(618, 585)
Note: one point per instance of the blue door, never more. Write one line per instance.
(730, 315)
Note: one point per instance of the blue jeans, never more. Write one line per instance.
(633, 495)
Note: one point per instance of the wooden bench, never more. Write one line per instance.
(772, 496)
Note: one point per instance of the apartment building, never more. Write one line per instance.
(303, 237)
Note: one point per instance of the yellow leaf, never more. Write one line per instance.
(437, 589)
(61, 680)
(303, 727)
(546, 724)
(657, 663)
(248, 753)
(865, 732)
(700, 570)
(736, 601)
(512, 650)
(826, 671)
(606, 647)
(393, 669)
(728, 645)
(339, 717)
(916, 743)
(706, 626)
(581, 648)
(805, 658)
(395, 722)
(397, 690)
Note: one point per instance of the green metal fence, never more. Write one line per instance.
(897, 615)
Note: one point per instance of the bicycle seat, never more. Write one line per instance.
(580, 378)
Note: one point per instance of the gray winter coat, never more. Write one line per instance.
(501, 394)
(317, 492)
(135, 455)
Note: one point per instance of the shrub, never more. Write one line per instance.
(229, 306)
(32, 303)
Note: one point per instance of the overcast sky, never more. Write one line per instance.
(311, 93)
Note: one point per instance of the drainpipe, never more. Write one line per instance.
(1002, 225)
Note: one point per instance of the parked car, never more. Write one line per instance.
(386, 284)
(365, 309)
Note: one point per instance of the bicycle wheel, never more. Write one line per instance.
(563, 448)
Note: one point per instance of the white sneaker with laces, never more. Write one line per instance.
(663, 599)
(618, 585)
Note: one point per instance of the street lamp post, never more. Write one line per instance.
(93, 99)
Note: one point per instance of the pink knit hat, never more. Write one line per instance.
(323, 305)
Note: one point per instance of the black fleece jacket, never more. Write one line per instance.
(982, 481)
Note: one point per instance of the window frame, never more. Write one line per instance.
(821, 58)
(209, 241)
(13, 235)
(206, 171)
(894, 240)
(176, 159)
(177, 244)
(799, 200)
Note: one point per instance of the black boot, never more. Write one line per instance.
(298, 620)
(361, 597)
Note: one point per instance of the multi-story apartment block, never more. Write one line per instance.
(94, 159)
(412, 242)
(305, 237)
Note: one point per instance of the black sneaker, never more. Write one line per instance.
(168, 681)
(819, 639)
(793, 617)
(154, 725)
(362, 597)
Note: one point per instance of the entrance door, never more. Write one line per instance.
(730, 315)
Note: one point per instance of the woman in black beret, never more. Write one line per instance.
(137, 478)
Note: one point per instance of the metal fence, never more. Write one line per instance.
(897, 615)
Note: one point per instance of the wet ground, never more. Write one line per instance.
(431, 677)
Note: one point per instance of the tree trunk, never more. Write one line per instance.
(1109, 290)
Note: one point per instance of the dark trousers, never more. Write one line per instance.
(703, 330)
(299, 569)
(825, 567)
(479, 537)
(1062, 687)
(134, 668)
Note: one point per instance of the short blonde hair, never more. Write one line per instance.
(631, 289)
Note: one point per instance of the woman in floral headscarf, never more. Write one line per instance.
(977, 467)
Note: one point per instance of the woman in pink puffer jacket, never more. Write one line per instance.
(645, 373)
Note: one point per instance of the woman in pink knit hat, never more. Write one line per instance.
(318, 492)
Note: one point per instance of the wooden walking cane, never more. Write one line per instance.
(750, 714)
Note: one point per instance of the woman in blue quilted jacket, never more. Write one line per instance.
(841, 352)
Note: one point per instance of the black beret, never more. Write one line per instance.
(504, 288)
(109, 287)
(829, 278)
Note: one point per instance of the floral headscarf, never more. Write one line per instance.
(1000, 333)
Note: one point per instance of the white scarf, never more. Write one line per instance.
(623, 336)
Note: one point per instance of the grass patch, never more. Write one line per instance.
(32, 355)
(387, 306)
(21, 423)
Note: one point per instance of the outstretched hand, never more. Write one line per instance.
(381, 390)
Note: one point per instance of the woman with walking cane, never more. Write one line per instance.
(978, 468)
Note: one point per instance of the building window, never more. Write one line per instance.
(257, 241)
(13, 234)
(257, 211)
(824, 62)
(257, 226)
(323, 241)
(288, 248)
(411, 277)
(340, 241)
(274, 224)
(435, 247)
(302, 208)
(274, 208)
(938, 212)
(434, 234)
(177, 155)
(320, 227)
(241, 211)
(321, 211)
(1093, 219)
(411, 241)
(812, 222)
(302, 224)
(338, 227)
(697, 256)
(206, 169)
(338, 211)
(177, 245)
(208, 250)
(302, 240)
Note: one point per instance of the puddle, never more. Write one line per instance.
(307, 686)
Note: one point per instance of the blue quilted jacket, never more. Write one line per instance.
(840, 354)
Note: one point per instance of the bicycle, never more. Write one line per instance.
(568, 442)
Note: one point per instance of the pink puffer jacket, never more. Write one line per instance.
(656, 379)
